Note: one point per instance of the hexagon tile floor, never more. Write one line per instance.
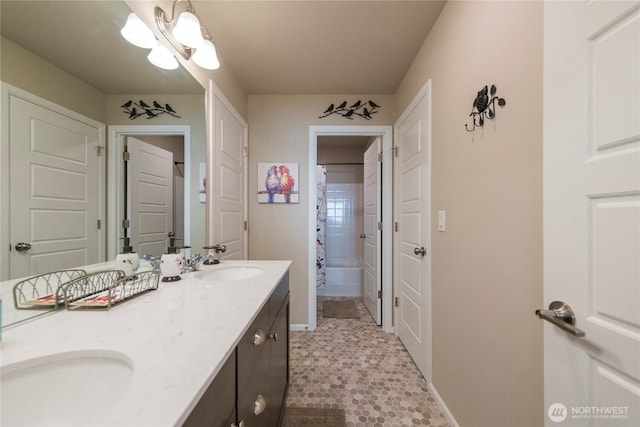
(353, 364)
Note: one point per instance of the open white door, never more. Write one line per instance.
(150, 190)
(228, 180)
(54, 190)
(412, 239)
(592, 211)
(372, 290)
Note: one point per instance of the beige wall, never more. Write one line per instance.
(23, 69)
(191, 110)
(279, 132)
(487, 266)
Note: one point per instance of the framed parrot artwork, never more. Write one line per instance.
(277, 182)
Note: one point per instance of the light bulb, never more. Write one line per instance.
(137, 33)
(206, 57)
(187, 30)
(162, 58)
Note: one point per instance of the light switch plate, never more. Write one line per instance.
(442, 223)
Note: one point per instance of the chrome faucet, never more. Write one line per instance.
(192, 263)
(212, 252)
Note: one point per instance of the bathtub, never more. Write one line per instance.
(343, 281)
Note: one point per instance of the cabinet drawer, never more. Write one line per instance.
(249, 348)
(277, 298)
(219, 400)
(255, 395)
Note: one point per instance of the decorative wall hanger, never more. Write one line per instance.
(484, 107)
(141, 108)
(359, 108)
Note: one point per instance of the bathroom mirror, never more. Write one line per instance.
(83, 39)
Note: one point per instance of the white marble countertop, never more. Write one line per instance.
(176, 338)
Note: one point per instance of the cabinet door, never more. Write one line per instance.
(279, 364)
(218, 402)
(253, 400)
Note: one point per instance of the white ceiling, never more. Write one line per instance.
(273, 47)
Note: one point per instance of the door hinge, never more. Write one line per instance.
(126, 156)
(126, 223)
(100, 150)
(379, 225)
(395, 301)
(395, 226)
(379, 157)
(380, 294)
(245, 151)
(395, 151)
(246, 226)
(99, 224)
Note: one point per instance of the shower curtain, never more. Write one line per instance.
(321, 223)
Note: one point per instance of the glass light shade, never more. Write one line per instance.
(187, 30)
(162, 58)
(137, 33)
(206, 57)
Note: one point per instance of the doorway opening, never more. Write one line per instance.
(328, 146)
(174, 140)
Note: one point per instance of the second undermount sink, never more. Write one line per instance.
(229, 273)
(73, 388)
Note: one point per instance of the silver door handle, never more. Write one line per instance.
(420, 251)
(561, 315)
(22, 246)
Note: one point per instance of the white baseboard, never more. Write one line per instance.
(445, 410)
(299, 327)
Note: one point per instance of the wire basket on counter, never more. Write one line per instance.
(44, 291)
(102, 291)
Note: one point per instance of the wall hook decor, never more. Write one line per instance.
(483, 107)
(358, 108)
(141, 108)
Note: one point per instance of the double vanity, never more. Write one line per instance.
(210, 349)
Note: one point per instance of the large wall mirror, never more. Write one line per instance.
(71, 54)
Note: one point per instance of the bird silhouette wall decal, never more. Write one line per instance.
(358, 109)
(141, 108)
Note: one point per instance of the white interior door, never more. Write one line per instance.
(150, 190)
(592, 211)
(229, 182)
(412, 255)
(372, 288)
(54, 189)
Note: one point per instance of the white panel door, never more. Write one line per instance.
(592, 211)
(54, 190)
(150, 190)
(228, 182)
(372, 215)
(412, 255)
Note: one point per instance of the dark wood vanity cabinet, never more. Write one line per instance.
(263, 364)
(250, 390)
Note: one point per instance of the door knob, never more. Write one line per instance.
(22, 247)
(420, 251)
(362, 236)
(561, 315)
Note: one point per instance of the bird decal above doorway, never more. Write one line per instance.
(358, 108)
(141, 108)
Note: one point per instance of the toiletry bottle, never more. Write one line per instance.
(127, 261)
(171, 263)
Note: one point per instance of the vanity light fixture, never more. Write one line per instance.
(185, 35)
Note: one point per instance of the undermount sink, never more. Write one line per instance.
(74, 388)
(229, 273)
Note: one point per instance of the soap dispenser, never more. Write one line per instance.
(127, 261)
(171, 263)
